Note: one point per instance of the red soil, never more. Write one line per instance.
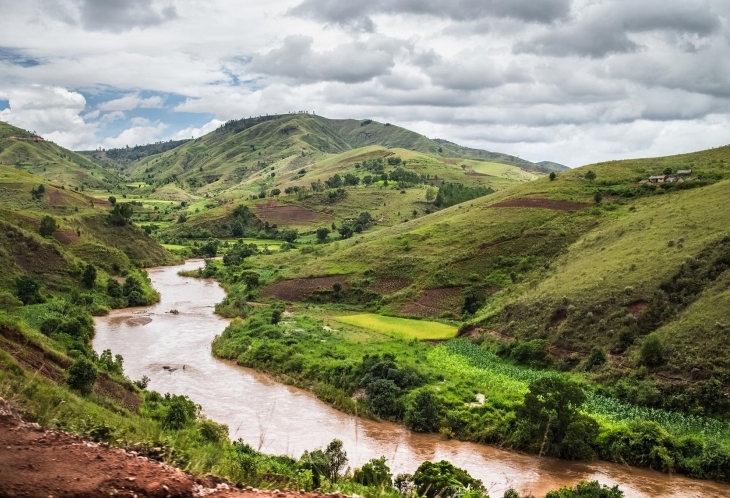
(541, 203)
(389, 285)
(41, 462)
(66, 236)
(435, 302)
(301, 288)
(286, 215)
(638, 307)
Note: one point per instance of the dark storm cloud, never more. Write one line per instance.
(604, 28)
(122, 15)
(357, 14)
(348, 63)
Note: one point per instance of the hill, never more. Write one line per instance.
(548, 166)
(32, 154)
(581, 263)
(120, 158)
(233, 153)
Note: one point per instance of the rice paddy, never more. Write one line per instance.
(401, 327)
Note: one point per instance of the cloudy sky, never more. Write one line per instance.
(573, 81)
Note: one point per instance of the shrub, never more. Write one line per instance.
(423, 414)
(27, 289)
(9, 302)
(48, 226)
(444, 480)
(81, 376)
(89, 276)
(652, 351)
(374, 473)
(585, 489)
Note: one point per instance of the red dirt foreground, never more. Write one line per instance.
(40, 462)
(541, 203)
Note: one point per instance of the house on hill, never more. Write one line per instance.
(658, 178)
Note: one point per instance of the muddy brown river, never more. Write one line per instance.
(173, 350)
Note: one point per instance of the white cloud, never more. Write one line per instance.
(132, 101)
(112, 116)
(193, 132)
(137, 135)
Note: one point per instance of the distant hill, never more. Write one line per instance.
(548, 166)
(117, 158)
(27, 152)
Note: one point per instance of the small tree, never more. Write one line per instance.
(590, 175)
(89, 276)
(27, 289)
(112, 200)
(322, 233)
(652, 351)
(430, 194)
(374, 473)
(48, 226)
(345, 231)
(336, 459)
(444, 480)
(553, 176)
(81, 376)
(598, 197)
(275, 192)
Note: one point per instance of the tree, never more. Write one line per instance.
(322, 233)
(121, 214)
(550, 406)
(48, 226)
(27, 289)
(238, 228)
(112, 200)
(597, 358)
(667, 171)
(430, 194)
(382, 397)
(81, 376)
(553, 176)
(598, 197)
(336, 459)
(37, 192)
(89, 276)
(275, 192)
(652, 351)
(289, 234)
(590, 175)
(113, 289)
(374, 473)
(444, 480)
(345, 231)
(422, 415)
(585, 489)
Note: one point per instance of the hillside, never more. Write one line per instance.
(238, 150)
(120, 158)
(579, 263)
(26, 152)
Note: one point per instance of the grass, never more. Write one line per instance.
(403, 328)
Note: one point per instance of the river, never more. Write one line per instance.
(173, 350)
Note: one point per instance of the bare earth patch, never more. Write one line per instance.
(66, 237)
(272, 212)
(389, 285)
(541, 203)
(299, 289)
(435, 302)
(637, 308)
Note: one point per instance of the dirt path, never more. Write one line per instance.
(40, 462)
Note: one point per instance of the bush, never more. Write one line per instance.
(374, 473)
(444, 480)
(585, 489)
(652, 351)
(423, 414)
(81, 376)
(9, 302)
(27, 289)
(89, 276)
(48, 226)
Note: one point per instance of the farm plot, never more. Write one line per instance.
(401, 327)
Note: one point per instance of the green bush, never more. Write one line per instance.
(374, 473)
(81, 376)
(585, 489)
(444, 480)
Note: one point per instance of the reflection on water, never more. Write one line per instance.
(173, 350)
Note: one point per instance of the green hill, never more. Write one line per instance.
(119, 158)
(544, 260)
(26, 152)
(548, 166)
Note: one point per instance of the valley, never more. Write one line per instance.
(467, 295)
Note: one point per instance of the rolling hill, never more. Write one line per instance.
(27, 152)
(581, 263)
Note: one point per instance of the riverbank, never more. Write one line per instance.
(285, 420)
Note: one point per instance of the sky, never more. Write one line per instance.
(571, 81)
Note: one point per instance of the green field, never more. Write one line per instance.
(401, 327)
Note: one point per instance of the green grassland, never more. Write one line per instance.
(50, 161)
(401, 327)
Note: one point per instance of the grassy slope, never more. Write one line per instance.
(51, 162)
(599, 259)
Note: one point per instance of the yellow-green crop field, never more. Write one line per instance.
(401, 327)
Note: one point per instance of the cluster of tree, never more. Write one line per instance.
(132, 292)
(121, 214)
(37, 192)
(450, 194)
(48, 226)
